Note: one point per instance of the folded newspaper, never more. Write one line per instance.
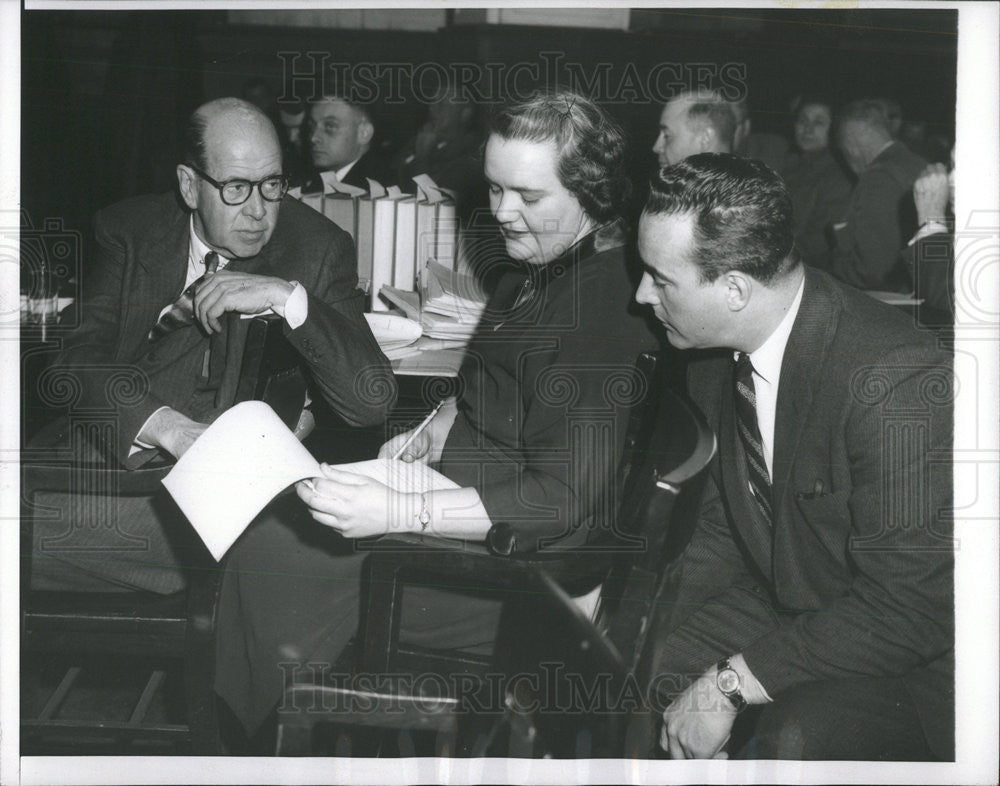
(246, 457)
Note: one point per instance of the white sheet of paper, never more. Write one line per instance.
(400, 475)
(234, 469)
(248, 455)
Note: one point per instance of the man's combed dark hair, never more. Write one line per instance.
(591, 146)
(742, 212)
(348, 93)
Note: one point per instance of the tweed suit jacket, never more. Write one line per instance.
(142, 257)
(858, 565)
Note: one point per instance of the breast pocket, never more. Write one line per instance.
(822, 536)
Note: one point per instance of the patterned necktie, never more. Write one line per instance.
(181, 313)
(746, 422)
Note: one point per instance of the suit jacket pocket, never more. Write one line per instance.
(822, 538)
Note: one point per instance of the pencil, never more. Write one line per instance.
(418, 429)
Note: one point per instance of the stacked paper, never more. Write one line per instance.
(393, 333)
(452, 305)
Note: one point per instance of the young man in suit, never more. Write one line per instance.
(244, 248)
(817, 586)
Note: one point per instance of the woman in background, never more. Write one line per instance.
(816, 181)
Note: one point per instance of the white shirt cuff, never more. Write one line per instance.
(927, 229)
(138, 444)
(297, 306)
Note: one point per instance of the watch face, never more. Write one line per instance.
(728, 681)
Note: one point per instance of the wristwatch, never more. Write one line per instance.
(728, 683)
(424, 517)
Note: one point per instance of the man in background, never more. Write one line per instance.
(340, 134)
(447, 145)
(880, 215)
(694, 122)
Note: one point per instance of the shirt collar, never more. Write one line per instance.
(884, 147)
(766, 359)
(342, 172)
(197, 249)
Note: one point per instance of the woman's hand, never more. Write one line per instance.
(418, 450)
(354, 505)
(427, 447)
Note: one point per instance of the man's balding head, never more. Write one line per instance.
(862, 132)
(223, 119)
(692, 123)
(230, 139)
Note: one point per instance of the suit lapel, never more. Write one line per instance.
(156, 281)
(805, 355)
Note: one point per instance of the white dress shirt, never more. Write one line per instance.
(766, 361)
(342, 172)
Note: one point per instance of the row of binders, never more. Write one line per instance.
(395, 233)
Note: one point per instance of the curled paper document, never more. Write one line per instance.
(246, 457)
(234, 469)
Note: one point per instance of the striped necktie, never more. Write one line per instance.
(746, 423)
(181, 313)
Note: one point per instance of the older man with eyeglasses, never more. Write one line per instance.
(155, 319)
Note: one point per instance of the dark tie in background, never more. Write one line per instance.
(746, 422)
(181, 313)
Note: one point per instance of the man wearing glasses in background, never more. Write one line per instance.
(154, 323)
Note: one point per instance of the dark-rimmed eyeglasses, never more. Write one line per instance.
(235, 192)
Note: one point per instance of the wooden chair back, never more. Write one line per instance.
(177, 627)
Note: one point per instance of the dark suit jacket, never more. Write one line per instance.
(370, 165)
(858, 566)
(820, 192)
(542, 413)
(931, 261)
(140, 268)
(880, 218)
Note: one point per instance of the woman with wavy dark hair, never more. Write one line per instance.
(532, 440)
